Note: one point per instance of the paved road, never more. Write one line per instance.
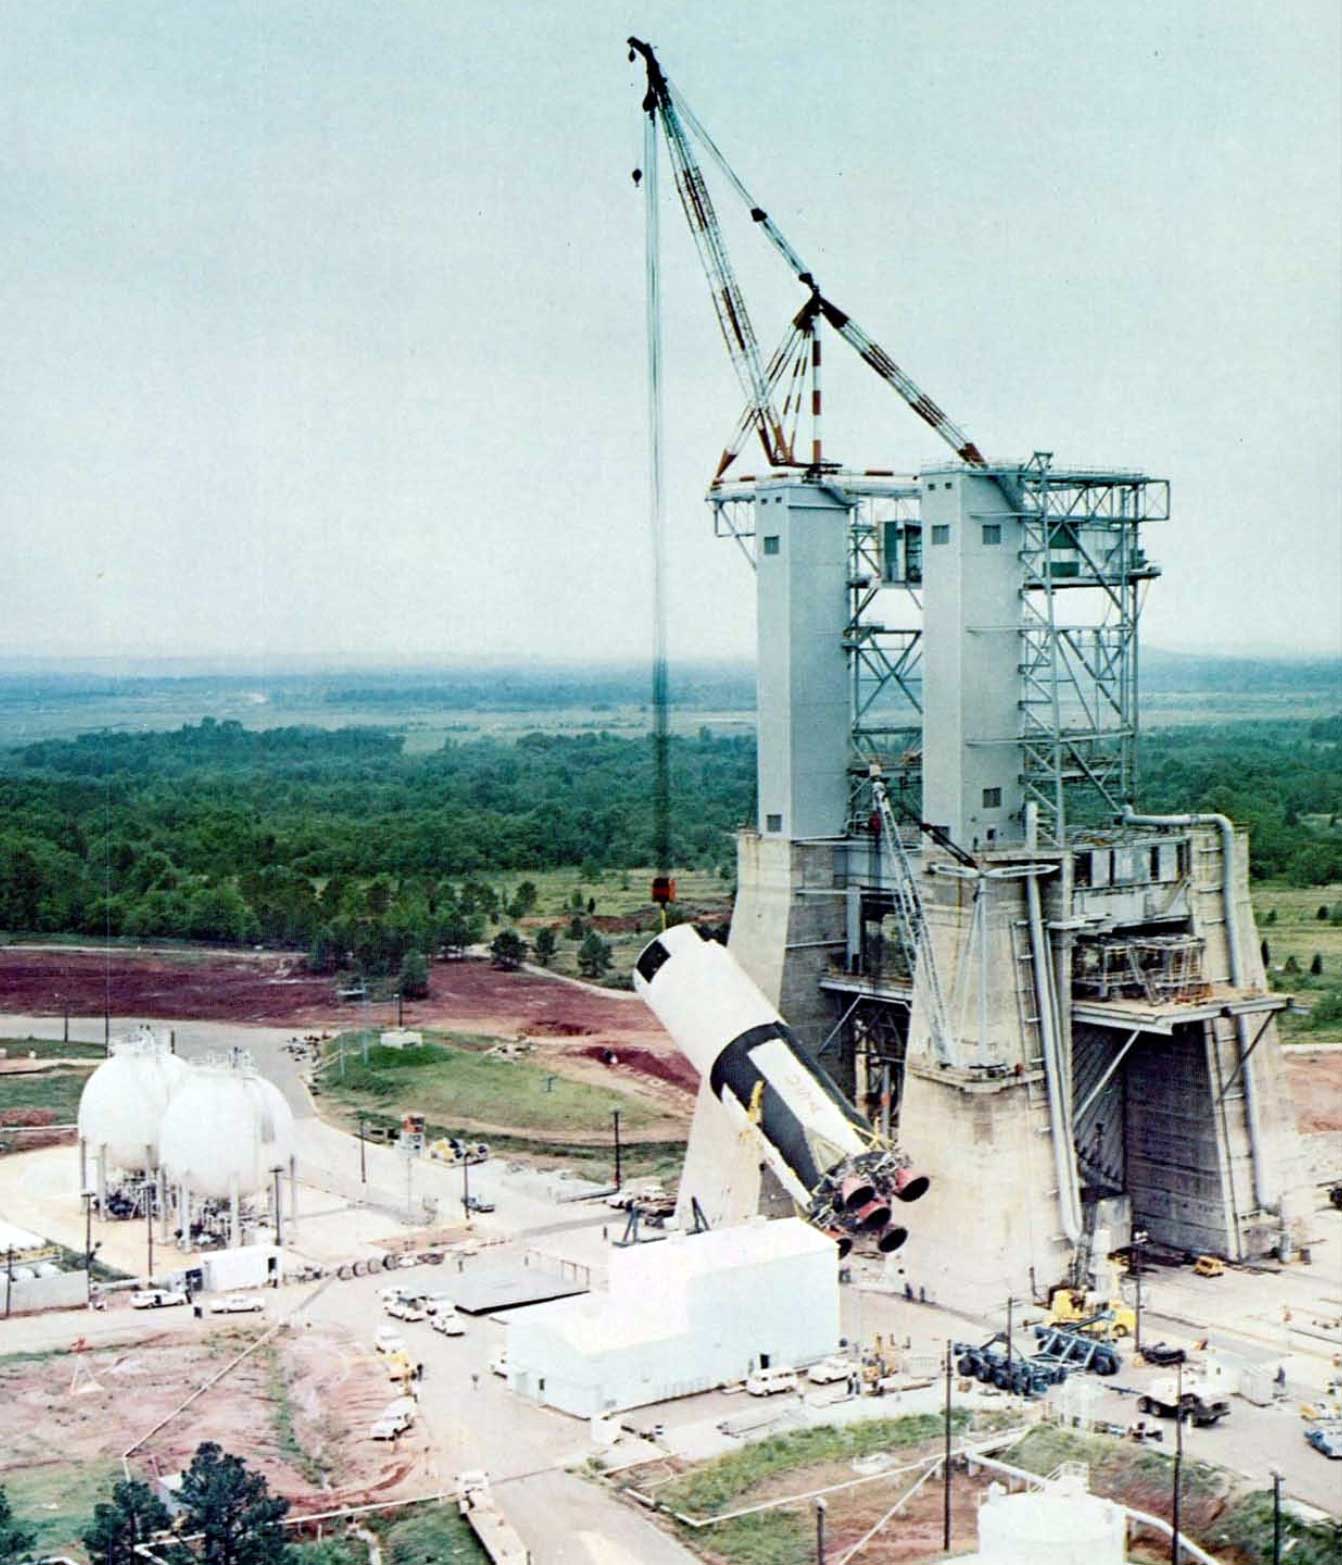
(475, 1421)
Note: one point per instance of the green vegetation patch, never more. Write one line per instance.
(435, 1533)
(1247, 1528)
(57, 1498)
(726, 1482)
(452, 1085)
(51, 1049)
(56, 1090)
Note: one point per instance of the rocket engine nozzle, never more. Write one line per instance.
(909, 1186)
(875, 1214)
(856, 1191)
(892, 1239)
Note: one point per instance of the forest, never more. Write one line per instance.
(338, 841)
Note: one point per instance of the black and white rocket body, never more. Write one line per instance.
(764, 1098)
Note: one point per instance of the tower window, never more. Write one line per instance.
(773, 823)
(771, 543)
(992, 798)
(992, 532)
(941, 533)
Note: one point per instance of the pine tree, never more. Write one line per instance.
(16, 1540)
(233, 1511)
(134, 1515)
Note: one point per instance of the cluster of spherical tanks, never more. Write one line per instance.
(185, 1140)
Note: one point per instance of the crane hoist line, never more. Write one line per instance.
(665, 106)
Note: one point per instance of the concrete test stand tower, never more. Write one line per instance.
(1078, 1039)
(948, 893)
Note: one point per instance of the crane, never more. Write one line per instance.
(664, 105)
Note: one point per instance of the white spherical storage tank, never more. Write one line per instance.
(123, 1103)
(225, 1131)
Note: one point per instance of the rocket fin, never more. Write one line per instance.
(722, 1166)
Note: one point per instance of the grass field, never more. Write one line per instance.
(57, 1090)
(1289, 923)
(456, 1085)
(57, 1497)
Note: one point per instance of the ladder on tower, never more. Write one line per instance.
(914, 938)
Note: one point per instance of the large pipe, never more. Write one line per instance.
(1261, 1184)
(1064, 1156)
(840, 1173)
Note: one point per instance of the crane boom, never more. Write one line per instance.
(728, 302)
(666, 101)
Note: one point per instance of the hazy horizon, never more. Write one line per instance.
(324, 325)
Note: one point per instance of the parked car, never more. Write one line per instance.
(156, 1298)
(827, 1371)
(434, 1303)
(236, 1304)
(394, 1419)
(768, 1382)
(1326, 1440)
(402, 1309)
(475, 1203)
(389, 1340)
(1162, 1353)
(498, 1365)
(448, 1324)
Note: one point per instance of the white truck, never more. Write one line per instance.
(394, 1419)
(1195, 1401)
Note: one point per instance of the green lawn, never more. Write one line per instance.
(1289, 923)
(57, 1498)
(51, 1049)
(454, 1086)
(57, 1090)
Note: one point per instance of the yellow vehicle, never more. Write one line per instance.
(1208, 1266)
(399, 1368)
(1107, 1317)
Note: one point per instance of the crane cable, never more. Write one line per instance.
(663, 887)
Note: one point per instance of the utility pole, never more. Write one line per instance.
(9, 1280)
(820, 1509)
(65, 1006)
(149, 1226)
(1011, 1300)
(466, 1183)
(88, 1244)
(946, 1473)
(276, 1172)
(615, 1115)
(1176, 1552)
(1276, 1516)
(363, 1157)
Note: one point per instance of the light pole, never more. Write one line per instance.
(466, 1184)
(615, 1115)
(820, 1508)
(363, 1157)
(149, 1227)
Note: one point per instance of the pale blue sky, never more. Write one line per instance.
(322, 322)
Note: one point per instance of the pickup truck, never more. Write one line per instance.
(394, 1419)
(768, 1382)
(156, 1298)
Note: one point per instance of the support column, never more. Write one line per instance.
(293, 1197)
(234, 1214)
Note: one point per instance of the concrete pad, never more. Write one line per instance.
(508, 1287)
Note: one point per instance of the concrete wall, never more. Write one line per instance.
(971, 659)
(61, 1291)
(802, 669)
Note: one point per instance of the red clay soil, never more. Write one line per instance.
(272, 988)
(1315, 1081)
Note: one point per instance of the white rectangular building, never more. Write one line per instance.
(682, 1316)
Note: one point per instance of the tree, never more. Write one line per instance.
(1271, 916)
(1265, 951)
(545, 945)
(524, 898)
(1291, 965)
(593, 956)
(233, 1510)
(414, 979)
(1322, 914)
(16, 1540)
(1316, 966)
(508, 949)
(134, 1515)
